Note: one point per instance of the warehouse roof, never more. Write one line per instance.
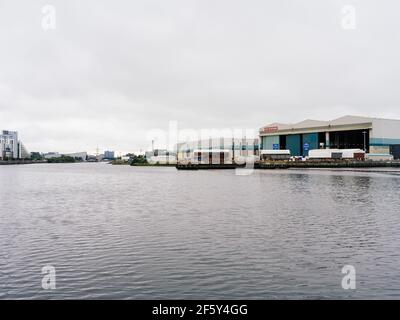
(350, 120)
(310, 123)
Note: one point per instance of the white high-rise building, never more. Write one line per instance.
(10, 147)
(23, 153)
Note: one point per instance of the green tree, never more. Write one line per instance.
(62, 159)
(140, 159)
(36, 156)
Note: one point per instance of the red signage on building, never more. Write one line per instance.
(269, 129)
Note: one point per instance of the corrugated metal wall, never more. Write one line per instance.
(293, 143)
(269, 141)
(312, 140)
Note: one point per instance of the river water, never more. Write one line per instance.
(123, 232)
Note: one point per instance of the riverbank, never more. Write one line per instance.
(327, 165)
(139, 164)
(14, 162)
(152, 165)
(294, 164)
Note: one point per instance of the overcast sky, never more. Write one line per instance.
(111, 71)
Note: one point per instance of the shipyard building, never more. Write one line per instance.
(373, 135)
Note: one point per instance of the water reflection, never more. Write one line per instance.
(122, 232)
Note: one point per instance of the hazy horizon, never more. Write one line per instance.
(109, 72)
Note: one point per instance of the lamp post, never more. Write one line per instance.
(365, 140)
(233, 150)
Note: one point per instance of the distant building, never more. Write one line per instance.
(11, 147)
(92, 158)
(159, 152)
(36, 156)
(82, 156)
(51, 155)
(22, 151)
(108, 155)
(161, 156)
(218, 150)
(162, 160)
(99, 157)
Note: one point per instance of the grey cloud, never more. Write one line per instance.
(114, 69)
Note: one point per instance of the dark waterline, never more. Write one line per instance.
(123, 232)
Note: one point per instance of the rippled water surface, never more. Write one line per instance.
(125, 232)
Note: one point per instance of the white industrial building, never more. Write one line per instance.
(162, 159)
(51, 155)
(161, 156)
(375, 136)
(218, 151)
